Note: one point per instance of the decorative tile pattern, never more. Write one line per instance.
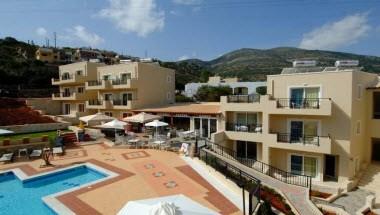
(135, 155)
(171, 184)
(158, 174)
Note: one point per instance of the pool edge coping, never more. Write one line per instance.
(52, 200)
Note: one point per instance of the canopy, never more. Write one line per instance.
(98, 117)
(168, 205)
(156, 123)
(115, 124)
(4, 131)
(142, 118)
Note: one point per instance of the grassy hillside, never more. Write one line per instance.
(19, 67)
(255, 64)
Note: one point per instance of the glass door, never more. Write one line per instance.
(205, 129)
(296, 97)
(66, 109)
(296, 163)
(312, 97)
(310, 130)
(296, 131)
(197, 126)
(125, 99)
(241, 149)
(251, 150)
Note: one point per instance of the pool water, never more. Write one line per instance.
(25, 197)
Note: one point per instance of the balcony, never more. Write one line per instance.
(244, 132)
(301, 142)
(120, 104)
(68, 96)
(305, 106)
(243, 98)
(69, 79)
(98, 85)
(123, 83)
(241, 102)
(98, 104)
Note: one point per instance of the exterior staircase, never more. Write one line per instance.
(370, 180)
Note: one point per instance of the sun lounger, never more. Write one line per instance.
(57, 150)
(6, 157)
(35, 153)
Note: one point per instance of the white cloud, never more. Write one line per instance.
(188, 2)
(81, 34)
(138, 16)
(337, 34)
(184, 57)
(42, 32)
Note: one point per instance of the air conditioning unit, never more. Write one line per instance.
(342, 63)
(304, 63)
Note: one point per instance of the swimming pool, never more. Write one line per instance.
(25, 196)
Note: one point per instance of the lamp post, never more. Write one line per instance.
(242, 185)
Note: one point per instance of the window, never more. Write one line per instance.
(106, 77)
(108, 97)
(169, 79)
(376, 105)
(304, 165)
(80, 107)
(304, 97)
(108, 114)
(66, 109)
(359, 91)
(125, 76)
(79, 72)
(358, 128)
(126, 114)
(80, 89)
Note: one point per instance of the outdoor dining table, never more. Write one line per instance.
(134, 141)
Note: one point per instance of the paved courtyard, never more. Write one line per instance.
(143, 173)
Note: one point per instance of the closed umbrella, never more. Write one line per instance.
(156, 124)
(168, 205)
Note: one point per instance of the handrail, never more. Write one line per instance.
(274, 172)
(302, 103)
(243, 98)
(95, 102)
(94, 83)
(302, 138)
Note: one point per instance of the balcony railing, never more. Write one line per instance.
(119, 81)
(67, 77)
(94, 83)
(120, 102)
(95, 102)
(281, 175)
(243, 98)
(305, 103)
(251, 128)
(298, 138)
(63, 94)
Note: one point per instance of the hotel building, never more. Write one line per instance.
(321, 122)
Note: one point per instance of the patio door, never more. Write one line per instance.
(125, 98)
(296, 97)
(66, 109)
(296, 131)
(304, 165)
(245, 149)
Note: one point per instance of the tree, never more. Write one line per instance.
(205, 74)
(211, 93)
(261, 90)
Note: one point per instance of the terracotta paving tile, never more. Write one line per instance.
(213, 195)
(135, 155)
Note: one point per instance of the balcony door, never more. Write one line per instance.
(247, 150)
(304, 165)
(303, 130)
(66, 109)
(301, 97)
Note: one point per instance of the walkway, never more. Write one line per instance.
(352, 201)
(297, 196)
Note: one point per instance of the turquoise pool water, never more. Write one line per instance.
(25, 197)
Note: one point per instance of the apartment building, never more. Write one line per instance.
(131, 85)
(48, 55)
(321, 122)
(72, 93)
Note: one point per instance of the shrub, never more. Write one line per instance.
(182, 98)
(211, 93)
(261, 90)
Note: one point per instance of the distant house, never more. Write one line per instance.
(84, 54)
(48, 55)
(241, 88)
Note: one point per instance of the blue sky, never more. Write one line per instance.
(205, 29)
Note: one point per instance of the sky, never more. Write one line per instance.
(205, 29)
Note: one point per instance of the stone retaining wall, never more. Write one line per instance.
(30, 128)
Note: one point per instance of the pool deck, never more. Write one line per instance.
(142, 174)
